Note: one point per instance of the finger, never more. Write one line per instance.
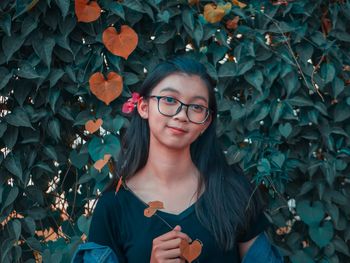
(174, 253)
(172, 235)
(170, 244)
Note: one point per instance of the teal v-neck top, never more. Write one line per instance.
(118, 221)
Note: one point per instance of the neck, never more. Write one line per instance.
(168, 167)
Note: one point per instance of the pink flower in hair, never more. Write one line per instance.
(130, 104)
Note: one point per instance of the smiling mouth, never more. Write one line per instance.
(177, 129)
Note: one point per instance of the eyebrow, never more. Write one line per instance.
(176, 91)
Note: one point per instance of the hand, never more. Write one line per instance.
(166, 248)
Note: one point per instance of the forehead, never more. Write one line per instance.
(186, 86)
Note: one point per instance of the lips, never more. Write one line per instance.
(177, 129)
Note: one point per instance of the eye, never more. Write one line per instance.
(169, 100)
(197, 108)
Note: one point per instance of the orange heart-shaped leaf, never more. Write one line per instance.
(106, 89)
(87, 11)
(92, 126)
(152, 208)
(120, 182)
(120, 44)
(238, 3)
(99, 164)
(214, 13)
(190, 251)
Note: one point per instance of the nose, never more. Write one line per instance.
(182, 114)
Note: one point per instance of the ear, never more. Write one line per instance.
(142, 107)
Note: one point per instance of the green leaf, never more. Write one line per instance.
(244, 66)
(130, 78)
(10, 136)
(301, 257)
(337, 86)
(311, 214)
(98, 147)
(341, 246)
(117, 9)
(134, 5)
(341, 112)
(264, 166)
(27, 71)
(34, 243)
(3, 127)
(285, 129)
(188, 19)
(64, 6)
(5, 24)
(11, 197)
(53, 129)
(278, 159)
(164, 16)
(35, 194)
(29, 24)
(15, 226)
(29, 225)
(78, 160)
(255, 78)
(322, 235)
(10, 44)
(43, 48)
(50, 151)
(84, 224)
(327, 72)
(13, 165)
(198, 33)
(6, 76)
(228, 69)
(23, 6)
(55, 75)
(37, 213)
(113, 124)
(18, 118)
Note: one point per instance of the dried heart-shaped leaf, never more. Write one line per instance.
(120, 182)
(120, 44)
(92, 126)
(106, 89)
(152, 208)
(190, 251)
(214, 13)
(101, 163)
(238, 3)
(87, 11)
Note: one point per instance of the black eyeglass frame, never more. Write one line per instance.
(208, 111)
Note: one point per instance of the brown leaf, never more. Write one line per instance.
(193, 2)
(120, 44)
(92, 126)
(108, 89)
(239, 4)
(87, 11)
(152, 208)
(214, 13)
(99, 164)
(190, 251)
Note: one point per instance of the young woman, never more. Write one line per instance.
(170, 153)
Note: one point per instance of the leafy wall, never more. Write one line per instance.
(283, 72)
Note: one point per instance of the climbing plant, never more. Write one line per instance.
(69, 68)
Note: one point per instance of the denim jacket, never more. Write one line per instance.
(262, 251)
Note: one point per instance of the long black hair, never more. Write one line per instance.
(225, 208)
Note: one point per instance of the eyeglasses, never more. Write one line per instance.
(169, 106)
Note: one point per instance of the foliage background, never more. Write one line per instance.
(283, 72)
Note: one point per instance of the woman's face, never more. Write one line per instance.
(176, 131)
